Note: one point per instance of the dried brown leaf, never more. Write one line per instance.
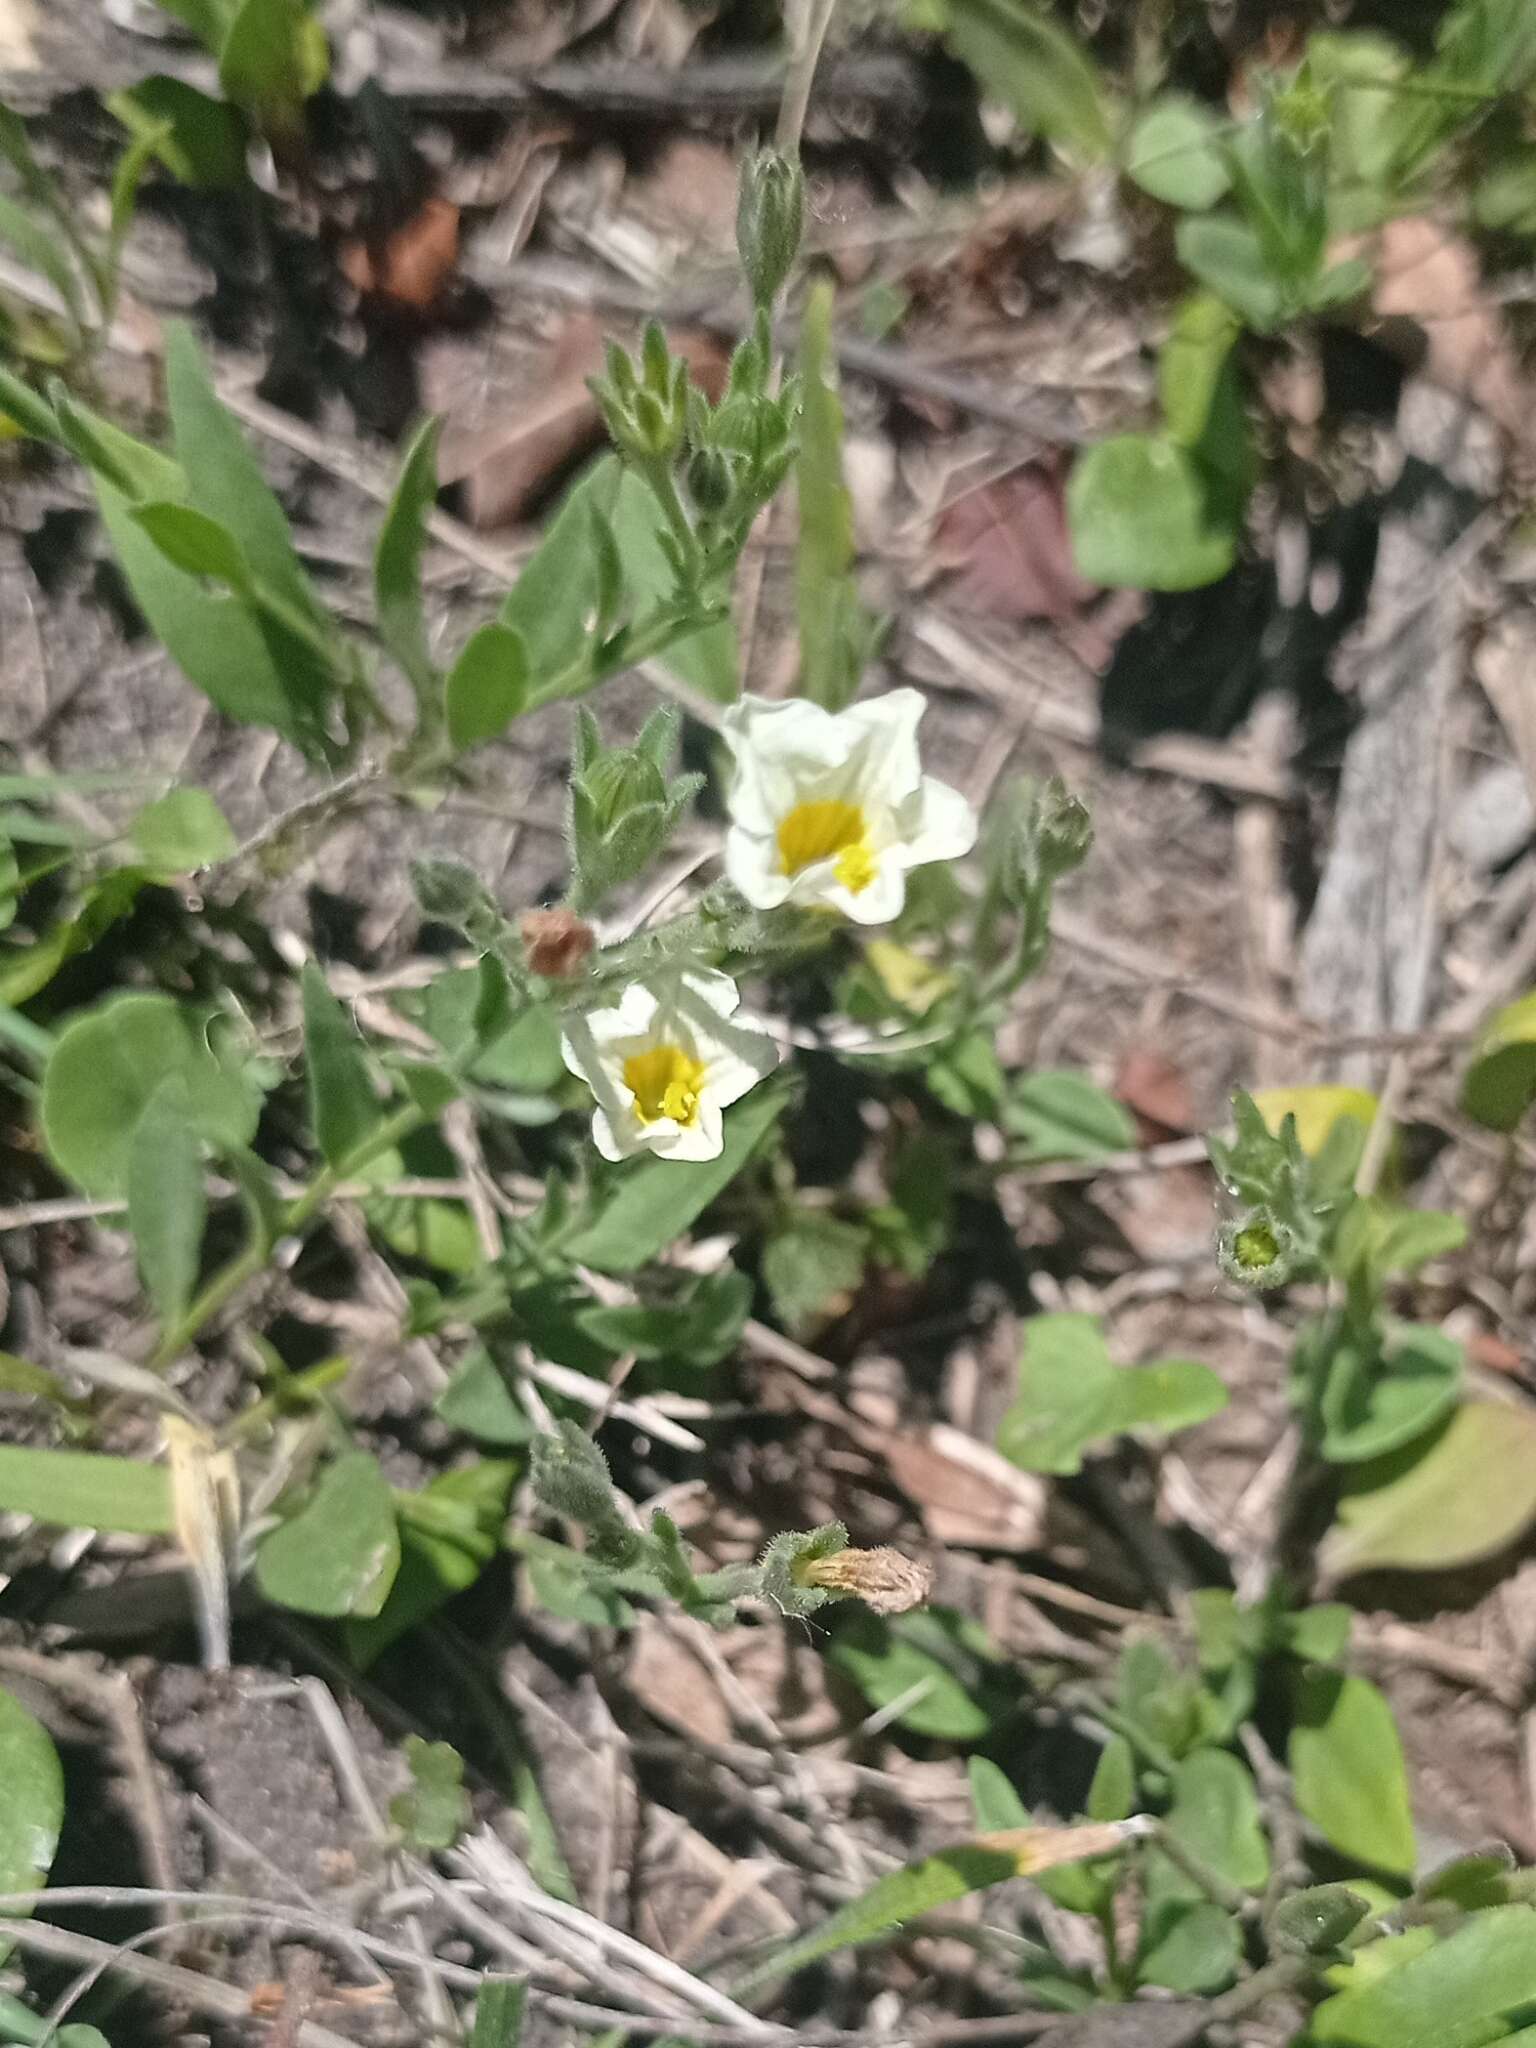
(1007, 547)
(1430, 298)
(1157, 1092)
(409, 269)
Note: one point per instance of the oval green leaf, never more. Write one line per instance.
(340, 1553)
(1176, 155)
(1144, 514)
(1350, 1779)
(1463, 1496)
(31, 1800)
(108, 1064)
(1500, 1084)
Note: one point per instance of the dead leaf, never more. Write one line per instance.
(691, 185)
(1434, 309)
(674, 1685)
(968, 1495)
(1494, 1355)
(1505, 664)
(1157, 1092)
(1008, 550)
(407, 270)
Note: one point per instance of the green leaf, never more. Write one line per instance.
(344, 1106)
(1063, 1115)
(1377, 1237)
(1215, 1815)
(994, 1802)
(1189, 1945)
(200, 140)
(167, 1203)
(397, 563)
(44, 250)
(832, 632)
(487, 686)
(448, 1535)
(128, 465)
(31, 1801)
(435, 1811)
(478, 1401)
(213, 638)
(651, 1202)
(1226, 254)
(1319, 1635)
(554, 599)
(190, 540)
(564, 1591)
(1072, 1395)
(1176, 154)
(339, 1554)
(1500, 1084)
(32, 414)
(939, 1657)
(1173, 1393)
(891, 1902)
(273, 57)
(1201, 394)
(812, 1267)
(1482, 1971)
(1504, 198)
(108, 1064)
(1112, 1792)
(1347, 1763)
(698, 1330)
(226, 484)
(182, 831)
(86, 1490)
(1317, 1921)
(1037, 70)
(1454, 1499)
(706, 660)
(1379, 1395)
(498, 2013)
(1145, 514)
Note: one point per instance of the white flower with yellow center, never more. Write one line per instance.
(664, 1062)
(831, 809)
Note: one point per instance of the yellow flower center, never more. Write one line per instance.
(665, 1081)
(829, 829)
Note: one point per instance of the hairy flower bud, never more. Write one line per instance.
(770, 218)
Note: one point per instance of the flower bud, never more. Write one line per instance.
(1259, 1251)
(883, 1579)
(770, 218)
(556, 943)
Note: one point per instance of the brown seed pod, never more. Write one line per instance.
(883, 1579)
(557, 943)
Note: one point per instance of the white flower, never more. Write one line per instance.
(830, 809)
(664, 1062)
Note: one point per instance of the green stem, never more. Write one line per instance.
(659, 476)
(246, 1265)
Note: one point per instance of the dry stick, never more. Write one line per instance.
(348, 1766)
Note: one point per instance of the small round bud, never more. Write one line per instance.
(556, 943)
(710, 483)
(1259, 1251)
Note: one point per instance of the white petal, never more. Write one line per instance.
(631, 1017)
(753, 867)
(610, 1142)
(885, 732)
(739, 1065)
(940, 825)
(880, 900)
(717, 990)
(779, 750)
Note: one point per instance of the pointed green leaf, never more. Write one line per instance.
(344, 1106)
(190, 540)
(167, 1203)
(1350, 1779)
(182, 831)
(397, 563)
(487, 686)
(86, 1490)
(31, 1801)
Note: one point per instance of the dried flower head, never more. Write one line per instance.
(557, 943)
(883, 1579)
